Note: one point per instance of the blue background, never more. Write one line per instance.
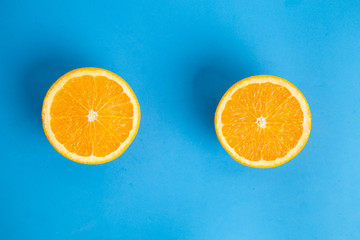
(176, 181)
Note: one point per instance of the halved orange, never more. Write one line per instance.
(263, 121)
(90, 115)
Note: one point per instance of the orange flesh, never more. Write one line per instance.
(262, 121)
(91, 116)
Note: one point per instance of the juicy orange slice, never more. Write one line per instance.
(263, 121)
(90, 115)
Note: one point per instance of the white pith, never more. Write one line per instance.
(92, 115)
(261, 122)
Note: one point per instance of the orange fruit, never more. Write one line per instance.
(90, 115)
(263, 121)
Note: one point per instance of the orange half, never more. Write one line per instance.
(263, 121)
(90, 115)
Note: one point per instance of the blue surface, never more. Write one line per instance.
(176, 181)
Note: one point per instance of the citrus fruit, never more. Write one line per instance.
(90, 115)
(263, 121)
